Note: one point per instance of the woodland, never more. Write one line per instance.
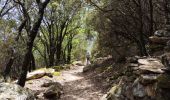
(85, 49)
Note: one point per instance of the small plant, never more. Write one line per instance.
(56, 74)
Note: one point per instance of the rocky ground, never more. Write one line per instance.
(76, 85)
(136, 78)
(143, 78)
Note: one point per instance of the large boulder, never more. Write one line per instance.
(10, 91)
(54, 91)
(40, 73)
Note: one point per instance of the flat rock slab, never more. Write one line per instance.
(160, 40)
(144, 69)
(148, 79)
(40, 73)
(150, 65)
(151, 62)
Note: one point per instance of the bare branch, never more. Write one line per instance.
(44, 4)
(98, 7)
(4, 10)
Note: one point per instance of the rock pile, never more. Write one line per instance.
(160, 41)
(143, 79)
(161, 37)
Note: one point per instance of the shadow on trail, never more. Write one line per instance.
(82, 86)
(76, 84)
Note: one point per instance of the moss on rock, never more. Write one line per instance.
(56, 73)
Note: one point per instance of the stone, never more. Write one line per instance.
(146, 69)
(168, 43)
(9, 91)
(159, 40)
(148, 79)
(104, 97)
(40, 73)
(139, 90)
(135, 68)
(132, 65)
(53, 92)
(151, 91)
(151, 62)
(48, 84)
(114, 93)
(156, 49)
(150, 65)
(162, 33)
(88, 67)
(128, 92)
(166, 70)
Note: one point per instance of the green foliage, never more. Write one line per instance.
(122, 28)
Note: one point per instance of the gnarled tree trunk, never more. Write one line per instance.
(31, 36)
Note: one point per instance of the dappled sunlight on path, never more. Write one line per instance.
(70, 75)
(76, 85)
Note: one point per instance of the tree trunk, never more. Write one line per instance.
(58, 53)
(27, 58)
(151, 17)
(32, 63)
(69, 51)
(32, 35)
(9, 65)
(51, 59)
(167, 14)
(141, 34)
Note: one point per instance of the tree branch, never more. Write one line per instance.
(102, 9)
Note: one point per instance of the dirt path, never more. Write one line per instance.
(76, 85)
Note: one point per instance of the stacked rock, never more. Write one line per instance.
(161, 38)
(160, 41)
(148, 81)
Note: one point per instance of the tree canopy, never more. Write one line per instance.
(48, 33)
